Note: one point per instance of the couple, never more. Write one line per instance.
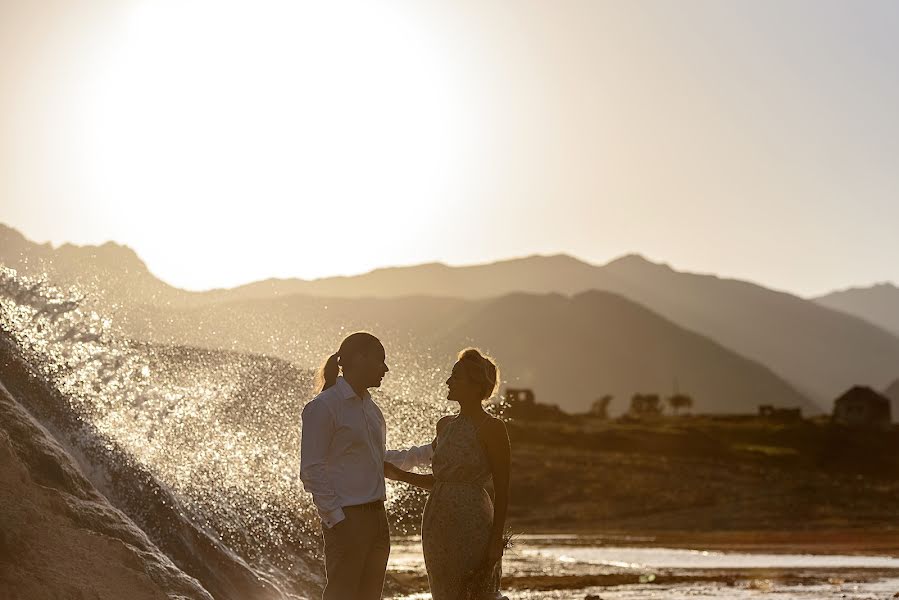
(344, 461)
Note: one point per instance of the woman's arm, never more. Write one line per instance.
(499, 455)
(422, 480)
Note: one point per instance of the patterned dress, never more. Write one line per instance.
(458, 516)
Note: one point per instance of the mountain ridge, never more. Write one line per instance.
(570, 350)
(877, 304)
(819, 350)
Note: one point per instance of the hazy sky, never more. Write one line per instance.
(233, 141)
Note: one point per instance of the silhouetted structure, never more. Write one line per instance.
(519, 395)
(522, 404)
(784, 415)
(600, 407)
(645, 405)
(862, 407)
(892, 393)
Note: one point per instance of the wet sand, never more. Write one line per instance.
(544, 566)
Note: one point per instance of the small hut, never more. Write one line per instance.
(862, 407)
(892, 393)
(521, 403)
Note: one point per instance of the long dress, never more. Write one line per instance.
(458, 516)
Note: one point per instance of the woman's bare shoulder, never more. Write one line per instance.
(495, 424)
(441, 423)
(495, 427)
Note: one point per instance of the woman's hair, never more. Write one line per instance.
(481, 369)
(360, 342)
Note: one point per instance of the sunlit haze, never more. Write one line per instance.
(233, 141)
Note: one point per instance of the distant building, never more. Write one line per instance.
(600, 407)
(784, 415)
(522, 404)
(862, 407)
(515, 395)
(645, 405)
(892, 393)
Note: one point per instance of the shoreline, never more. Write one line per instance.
(860, 542)
(411, 583)
(852, 542)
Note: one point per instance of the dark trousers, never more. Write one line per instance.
(356, 551)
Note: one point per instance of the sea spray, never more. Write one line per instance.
(209, 437)
(144, 439)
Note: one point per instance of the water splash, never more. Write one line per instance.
(219, 428)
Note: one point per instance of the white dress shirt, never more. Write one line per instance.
(343, 449)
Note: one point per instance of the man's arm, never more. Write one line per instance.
(318, 428)
(416, 456)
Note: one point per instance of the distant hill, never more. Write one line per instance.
(581, 347)
(878, 304)
(111, 270)
(571, 350)
(819, 350)
(536, 274)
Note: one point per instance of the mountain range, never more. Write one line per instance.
(579, 330)
(878, 304)
(570, 349)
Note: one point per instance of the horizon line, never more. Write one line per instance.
(449, 265)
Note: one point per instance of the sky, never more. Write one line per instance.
(231, 141)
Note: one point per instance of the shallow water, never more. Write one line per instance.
(570, 556)
(869, 591)
(674, 558)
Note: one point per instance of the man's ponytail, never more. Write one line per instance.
(327, 375)
(355, 343)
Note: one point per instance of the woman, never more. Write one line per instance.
(462, 528)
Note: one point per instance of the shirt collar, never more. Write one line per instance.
(346, 391)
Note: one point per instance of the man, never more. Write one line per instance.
(342, 464)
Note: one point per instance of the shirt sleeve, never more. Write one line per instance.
(318, 429)
(416, 456)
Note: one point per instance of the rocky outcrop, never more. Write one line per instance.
(61, 538)
(148, 506)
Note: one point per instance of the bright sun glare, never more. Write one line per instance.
(203, 111)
